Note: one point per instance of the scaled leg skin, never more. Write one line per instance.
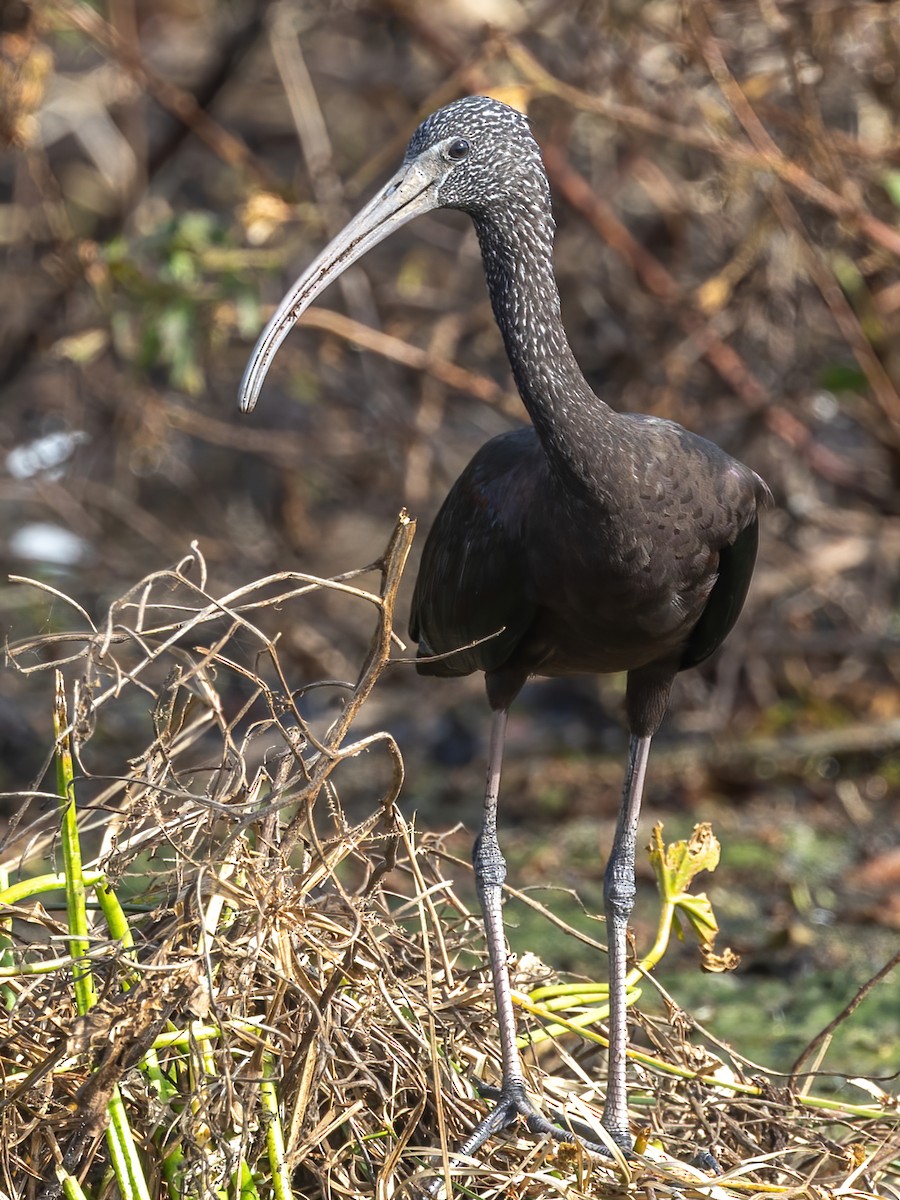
(490, 872)
(618, 894)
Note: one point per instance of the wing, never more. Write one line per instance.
(726, 599)
(716, 501)
(473, 584)
(737, 559)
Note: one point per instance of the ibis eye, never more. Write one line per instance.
(458, 149)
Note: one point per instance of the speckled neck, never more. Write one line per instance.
(573, 424)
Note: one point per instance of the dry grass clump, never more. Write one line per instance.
(245, 994)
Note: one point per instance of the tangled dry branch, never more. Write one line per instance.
(274, 949)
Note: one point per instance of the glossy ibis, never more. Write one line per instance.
(590, 541)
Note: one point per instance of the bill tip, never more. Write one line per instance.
(251, 385)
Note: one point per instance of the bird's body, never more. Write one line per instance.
(593, 541)
(535, 574)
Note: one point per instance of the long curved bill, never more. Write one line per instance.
(412, 191)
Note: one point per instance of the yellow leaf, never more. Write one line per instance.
(718, 964)
(697, 912)
(678, 864)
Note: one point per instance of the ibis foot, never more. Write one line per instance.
(511, 1102)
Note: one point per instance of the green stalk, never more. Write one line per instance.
(15, 893)
(281, 1176)
(71, 1187)
(553, 998)
(869, 1112)
(46, 967)
(126, 1161)
(197, 1031)
(118, 926)
(172, 1171)
(244, 1184)
(122, 1148)
(79, 944)
(6, 953)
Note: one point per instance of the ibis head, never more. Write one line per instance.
(475, 155)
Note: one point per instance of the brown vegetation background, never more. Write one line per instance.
(726, 179)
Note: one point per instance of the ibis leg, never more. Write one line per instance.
(510, 1099)
(618, 893)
